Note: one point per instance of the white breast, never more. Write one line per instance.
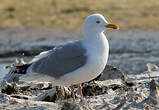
(97, 54)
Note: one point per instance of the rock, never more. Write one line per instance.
(112, 90)
(41, 86)
(70, 106)
(110, 72)
(93, 89)
(47, 96)
(152, 68)
(96, 96)
(10, 103)
(154, 92)
(54, 94)
(82, 105)
(10, 88)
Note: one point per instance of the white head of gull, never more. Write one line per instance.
(76, 62)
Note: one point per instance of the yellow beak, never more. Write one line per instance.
(113, 26)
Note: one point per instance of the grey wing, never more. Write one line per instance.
(61, 60)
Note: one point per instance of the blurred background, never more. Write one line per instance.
(28, 27)
(69, 14)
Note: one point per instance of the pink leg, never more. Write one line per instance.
(80, 90)
(73, 94)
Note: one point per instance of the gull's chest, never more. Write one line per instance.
(97, 52)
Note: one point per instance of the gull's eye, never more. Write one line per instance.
(98, 22)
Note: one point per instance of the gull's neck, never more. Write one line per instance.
(96, 42)
(94, 37)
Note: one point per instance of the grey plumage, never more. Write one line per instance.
(61, 60)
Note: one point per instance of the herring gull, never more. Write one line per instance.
(76, 62)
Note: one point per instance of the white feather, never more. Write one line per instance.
(40, 56)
